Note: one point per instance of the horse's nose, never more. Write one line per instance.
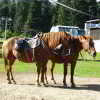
(94, 54)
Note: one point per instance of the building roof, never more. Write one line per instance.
(95, 20)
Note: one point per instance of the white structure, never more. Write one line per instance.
(97, 45)
(73, 30)
(92, 28)
(91, 24)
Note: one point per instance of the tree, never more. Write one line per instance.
(67, 16)
(46, 16)
(64, 14)
(39, 16)
(5, 4)
(21, 15)
(92, 9)
(80, 18)
(54, 15)
(34, 15)
(98, 9)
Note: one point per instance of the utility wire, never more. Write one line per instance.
(79, 11)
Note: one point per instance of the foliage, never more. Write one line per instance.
(20, 16)
(69, 17)
(38, 15)
(64, 15)
(98, 10)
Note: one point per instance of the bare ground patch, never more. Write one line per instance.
(26, 89)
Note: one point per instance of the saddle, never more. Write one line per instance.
(25, 48)
(34, 42)
(61, 51)
(28, 43)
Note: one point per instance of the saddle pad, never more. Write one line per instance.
(22, 44)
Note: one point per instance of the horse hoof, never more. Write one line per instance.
(55, 82)
(43, 84)
(14, 82)
(37, 84)
(73, 86)
(9, 83)
(65, 86)
(47, 83)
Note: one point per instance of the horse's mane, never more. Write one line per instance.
(52, 39)
(82, 37)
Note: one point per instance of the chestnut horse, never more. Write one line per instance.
(39, 55)
(76, 44)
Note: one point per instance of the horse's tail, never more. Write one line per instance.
(4, 56)
(5, 61)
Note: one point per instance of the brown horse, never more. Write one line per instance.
(39, 55)
(29, 55)
(76, 44)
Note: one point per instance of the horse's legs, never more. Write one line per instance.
(72, 74)
(65, 73)
(46, 74)
(41, 67)
(8, 75)
(10, 68)
(43, 70)
(52, 76)
(7, 70)
(42, 74)
(38, 73)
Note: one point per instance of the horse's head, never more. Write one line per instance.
(66, 41)
(88, 45)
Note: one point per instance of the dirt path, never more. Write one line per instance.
(25, 89)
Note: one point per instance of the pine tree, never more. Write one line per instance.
(5, 4)
(47, 16)
(34, 15)
(80, 18)
(98, 10)
(92, 9)
(54, 15)
(21, 15)
(64, 14)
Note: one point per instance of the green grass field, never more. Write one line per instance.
(83, 68)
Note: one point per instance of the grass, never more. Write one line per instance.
(83, 68)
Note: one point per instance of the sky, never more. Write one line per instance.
(98, 0)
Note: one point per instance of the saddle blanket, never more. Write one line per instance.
(28, 43)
